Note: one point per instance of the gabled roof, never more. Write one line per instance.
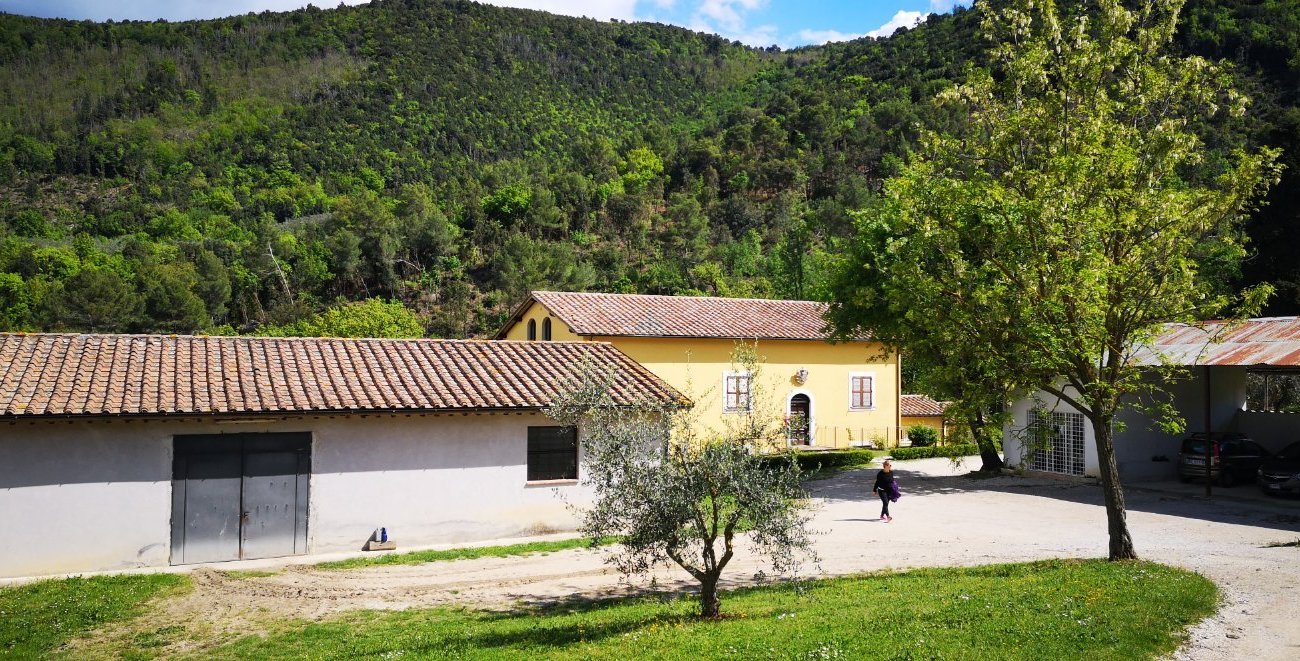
(639, 315)
(107, 375)
(1267, 341)
(918, 406)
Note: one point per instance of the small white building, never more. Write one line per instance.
(1221, 362)
(121, 451)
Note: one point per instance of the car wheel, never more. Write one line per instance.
(1226, 479)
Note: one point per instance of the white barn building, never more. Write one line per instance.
(1220, 361)
(122, 451)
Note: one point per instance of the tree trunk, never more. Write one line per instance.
(1121, 544)
(710, 604)
(992, 460)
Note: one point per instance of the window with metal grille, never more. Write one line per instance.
(1059, 440)
(736, 390)
(552, 453)
(862, 391)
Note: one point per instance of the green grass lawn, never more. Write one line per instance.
(467, 553)
(1044, 610)
(37, 618)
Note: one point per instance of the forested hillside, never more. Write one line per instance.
(247, 174)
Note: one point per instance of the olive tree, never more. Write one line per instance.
(673, 497)
(1074, 212)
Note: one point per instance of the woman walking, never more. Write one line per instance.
(885, 488)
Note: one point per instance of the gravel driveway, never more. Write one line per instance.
(943, 519)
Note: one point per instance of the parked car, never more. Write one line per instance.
(1280, 474)
(1234, 458)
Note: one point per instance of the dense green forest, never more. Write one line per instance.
(255, 173)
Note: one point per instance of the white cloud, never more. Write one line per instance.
(728, 14)
(729, 18)
(824, 36)
(903, 19)
(601, 9)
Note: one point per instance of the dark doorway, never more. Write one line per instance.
(239, 496)
(800, 420)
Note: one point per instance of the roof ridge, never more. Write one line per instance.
(315, 338)
(680, 297)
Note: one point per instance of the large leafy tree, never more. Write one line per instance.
(1074, 212)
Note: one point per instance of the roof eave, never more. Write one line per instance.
(680, 402)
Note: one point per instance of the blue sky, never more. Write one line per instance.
(756, 22)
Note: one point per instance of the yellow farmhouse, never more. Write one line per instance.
(847, 392)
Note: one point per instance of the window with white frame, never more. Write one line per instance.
(862, 391)
(736, 392)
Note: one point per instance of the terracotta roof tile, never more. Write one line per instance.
(88, 375)
(915, 406)
(683, 316)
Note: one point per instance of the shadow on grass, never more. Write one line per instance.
(564, 633)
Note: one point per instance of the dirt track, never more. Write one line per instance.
(943, 519)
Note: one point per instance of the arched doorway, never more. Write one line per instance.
(799, 427)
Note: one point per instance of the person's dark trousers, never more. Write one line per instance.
(884, 503)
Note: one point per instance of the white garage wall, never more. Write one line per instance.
(1274, 431)
(90, 496)
(1142, 440)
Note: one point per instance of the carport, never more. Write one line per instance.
(1238, 377)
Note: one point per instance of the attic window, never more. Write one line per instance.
(546, 329)
(532, 329)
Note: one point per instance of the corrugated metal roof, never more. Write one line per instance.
(1269, 341)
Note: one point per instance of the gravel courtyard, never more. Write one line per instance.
(944, 518)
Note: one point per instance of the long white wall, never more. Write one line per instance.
(96, 495)
(430, 481)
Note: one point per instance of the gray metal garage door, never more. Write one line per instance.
(239, 496)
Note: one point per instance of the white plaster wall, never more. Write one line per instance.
(1140, 440)
(430, 480)
(96, 495)
(1274, 431)
(77, 497)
